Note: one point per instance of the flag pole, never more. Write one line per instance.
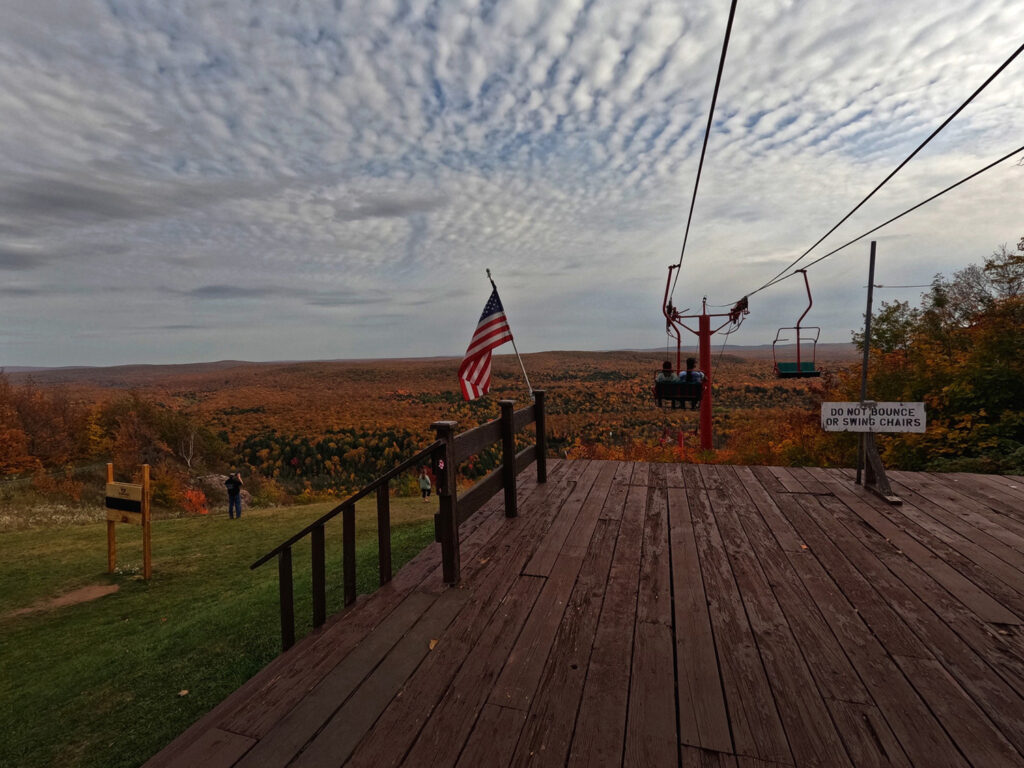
(518, 356)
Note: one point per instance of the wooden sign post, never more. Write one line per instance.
(129, 503)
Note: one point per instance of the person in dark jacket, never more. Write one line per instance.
(692, 372)
(234, 486)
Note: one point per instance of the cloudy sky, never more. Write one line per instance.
(269, 180)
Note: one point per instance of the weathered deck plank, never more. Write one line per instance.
(841, 593)
(811, 734)
(756, 726)
(290, 734)
(678, 615)
(996, 487)
(547, 735)
(339, 737)
(519, 678)
(703, 719)
(909, 592)
(1001, 526)
(493, 574)
(443, 736)
(651, 737)
(601, 722)
(980, 565)
(935, 519)
(981, 602)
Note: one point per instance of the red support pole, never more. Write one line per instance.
(674, 321)
(704, 338)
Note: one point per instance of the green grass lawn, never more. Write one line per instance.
(97, 684)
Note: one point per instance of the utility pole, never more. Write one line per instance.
(869, 462)
(867, 348)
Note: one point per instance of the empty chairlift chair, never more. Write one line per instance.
(801, 367)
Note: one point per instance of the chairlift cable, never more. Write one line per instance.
(725, 340)
(704, 148)
(924, 285)
(951, 187)
(899, 167)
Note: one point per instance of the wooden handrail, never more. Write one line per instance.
(475, 440)
(523, 417)
(351, 500)
(445, 453)
(525, 458)
(479, 494)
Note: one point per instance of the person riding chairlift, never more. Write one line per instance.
(692, 374)
(666, 373)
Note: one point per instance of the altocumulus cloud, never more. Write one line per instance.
(251, 165)
(331, 298)
(15, 257)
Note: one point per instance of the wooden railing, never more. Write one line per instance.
(315, 530)
(445, 453)
(457, 448)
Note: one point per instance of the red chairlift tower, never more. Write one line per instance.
(674, 323)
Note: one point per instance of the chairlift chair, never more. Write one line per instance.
(799, 368)
(678, 394)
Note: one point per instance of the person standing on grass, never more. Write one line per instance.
(424, 484)
(234, 486)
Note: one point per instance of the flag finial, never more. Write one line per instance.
(488, 274)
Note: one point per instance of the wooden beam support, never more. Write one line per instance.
(875, 479)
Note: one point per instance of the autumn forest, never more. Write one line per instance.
(300, 431)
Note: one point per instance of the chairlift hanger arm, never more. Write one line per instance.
(810, 301)
(674, 318)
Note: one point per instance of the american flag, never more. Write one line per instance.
(492, 331)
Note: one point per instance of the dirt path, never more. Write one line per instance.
(82, 595)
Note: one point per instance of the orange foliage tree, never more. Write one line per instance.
(962, 354)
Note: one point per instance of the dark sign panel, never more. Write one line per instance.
(124, 497)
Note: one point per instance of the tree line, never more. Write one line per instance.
(960, 350)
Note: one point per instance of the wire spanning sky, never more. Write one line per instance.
(263, 180)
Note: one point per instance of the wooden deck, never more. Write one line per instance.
(670, 615)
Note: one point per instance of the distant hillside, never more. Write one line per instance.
(143, 375)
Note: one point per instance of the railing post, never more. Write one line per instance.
(508, 455)
(348, 565)
(384, 533)
(112, 528)
(446, 521)
(319, 577)
(542, 439)
(284, 583)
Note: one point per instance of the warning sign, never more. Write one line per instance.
(873, 417)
